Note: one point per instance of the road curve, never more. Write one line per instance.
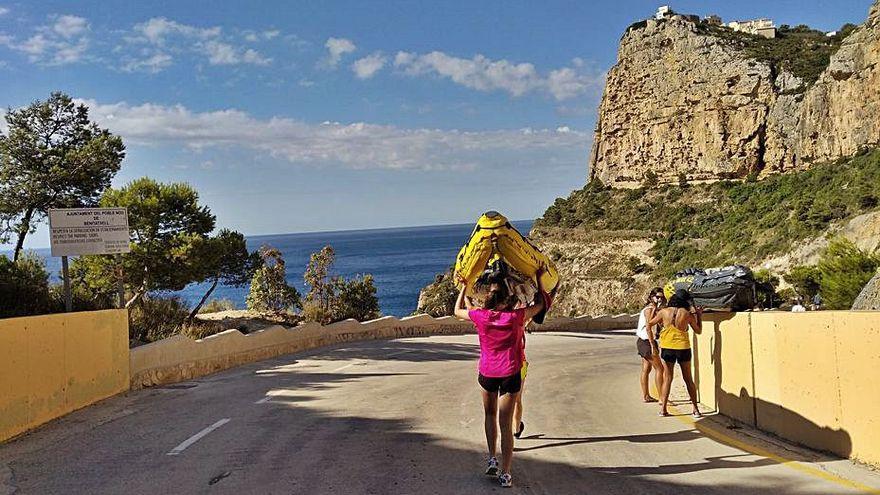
(404, 416)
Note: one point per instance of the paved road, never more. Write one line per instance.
(404, 416)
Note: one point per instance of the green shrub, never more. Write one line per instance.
(24, 286)
(355, 298)
(155, 318)
(217, 305)
(845, 270)
(805, 280)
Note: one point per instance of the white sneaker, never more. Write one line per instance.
(492, 468)
(506, 480)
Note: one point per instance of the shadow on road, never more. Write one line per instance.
(678, 436)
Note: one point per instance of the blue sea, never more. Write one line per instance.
(401, 260)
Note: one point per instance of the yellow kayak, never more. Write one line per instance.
(494, 237)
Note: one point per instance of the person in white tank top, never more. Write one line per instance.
(646, 345)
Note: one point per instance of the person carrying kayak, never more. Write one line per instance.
(500, 329)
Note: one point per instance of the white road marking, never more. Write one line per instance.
(198, 436)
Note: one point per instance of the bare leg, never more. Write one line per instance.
(689, 382)
(518, 408)
(658, 373)
(505, 418)
(668, 374)
(490, 408)
(643, 380)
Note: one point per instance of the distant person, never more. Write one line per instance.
(500, 329)
(646, 344)
(798, 307)
(817, 302)
(675, 344)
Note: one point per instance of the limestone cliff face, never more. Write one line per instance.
(841, 112)
(681, 100)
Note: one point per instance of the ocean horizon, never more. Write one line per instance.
(402, 260)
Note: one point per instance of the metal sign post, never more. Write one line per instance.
(84, 231)
(68, 301)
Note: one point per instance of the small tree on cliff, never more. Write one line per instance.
(318, 302)
(270, 292)
(52, 156)
(334, 298)
(169, 237)
(225, 258)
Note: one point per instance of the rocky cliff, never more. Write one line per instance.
(687, 99)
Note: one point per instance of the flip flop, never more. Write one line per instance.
(697, 414)
(663, 414)
(522, 426)
(650, 400)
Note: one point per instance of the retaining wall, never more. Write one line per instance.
(806, 377)
(54, 364)
(180, 358)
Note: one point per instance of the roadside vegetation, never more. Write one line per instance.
(53, 156)
(730, 222)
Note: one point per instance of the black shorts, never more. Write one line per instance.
(644, 348)
(503, 385)
(676, 355)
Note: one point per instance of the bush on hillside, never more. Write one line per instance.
(805, 280)
(725, 222)
(845, 270)
(800, 50)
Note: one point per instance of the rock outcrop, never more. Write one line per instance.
(684, 102)
(869, 298)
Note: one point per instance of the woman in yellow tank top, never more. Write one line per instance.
(675, 344)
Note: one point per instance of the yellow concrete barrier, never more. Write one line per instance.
(806, 377)
(54, 364)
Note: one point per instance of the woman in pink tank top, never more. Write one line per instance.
(501, 332)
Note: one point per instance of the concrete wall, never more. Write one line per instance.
(54, 364)
(807, 377)
(180, 358)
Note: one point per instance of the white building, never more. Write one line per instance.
(664, 12)
(762, 27)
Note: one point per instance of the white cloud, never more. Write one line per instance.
(253, 36)
(4, 10)
(64, 41)
(356, 145)
(484, 74)
(157, 29)
(368, 66)
(70, 25)
(163, 38)
(336, 49)
(220, 53)
(153, 64)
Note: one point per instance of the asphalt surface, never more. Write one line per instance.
(404, 416)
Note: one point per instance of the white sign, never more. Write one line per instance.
(78, 231)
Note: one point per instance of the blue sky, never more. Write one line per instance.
(295, 116)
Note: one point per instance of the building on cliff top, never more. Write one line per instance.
(664, 12)
(761, 27)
